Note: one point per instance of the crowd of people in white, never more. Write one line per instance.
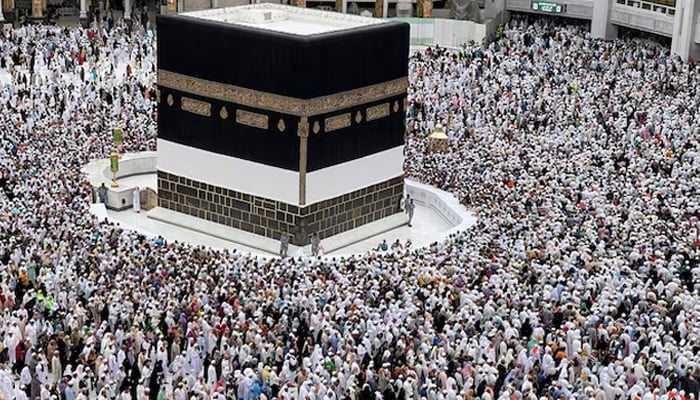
(578, 282)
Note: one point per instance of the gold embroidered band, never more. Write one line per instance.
(282, 104)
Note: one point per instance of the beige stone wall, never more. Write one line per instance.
(378, 8)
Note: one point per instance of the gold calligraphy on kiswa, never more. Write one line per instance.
(337, 122)
(195, 106)
(252, 119)
(282, 104)
(377, 112)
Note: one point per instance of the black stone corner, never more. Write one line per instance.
(300, 233)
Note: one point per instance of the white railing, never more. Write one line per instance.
(649, 6)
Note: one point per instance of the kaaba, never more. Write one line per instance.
(276, 119)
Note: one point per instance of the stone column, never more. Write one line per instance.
(37, 11)
(84, 20)
(214, 3)
(427, 11)
(385, 8)
(419, 8)
(8, 6)
(601, 28)
(303, 133)
(127, 12)
(684, 29)
(338, 5)
(299, 3)
(345, 7)
(378, 8)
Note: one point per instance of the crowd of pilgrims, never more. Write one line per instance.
(578, 282)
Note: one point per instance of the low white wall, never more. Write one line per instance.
(445, 32)
(98, 172)
(135, 164)
(645, 20)
(120, 198)
(443, 203)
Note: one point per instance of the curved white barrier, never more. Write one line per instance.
(448, 32)
(443, 203)
(120, 198)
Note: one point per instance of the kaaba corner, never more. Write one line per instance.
(278, 119)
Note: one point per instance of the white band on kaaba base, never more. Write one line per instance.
(277, 183)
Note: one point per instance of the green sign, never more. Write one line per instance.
(544, 6)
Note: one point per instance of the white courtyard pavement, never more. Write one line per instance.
(428, 226)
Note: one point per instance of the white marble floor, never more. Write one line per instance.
(427, 227)
(129, 219)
